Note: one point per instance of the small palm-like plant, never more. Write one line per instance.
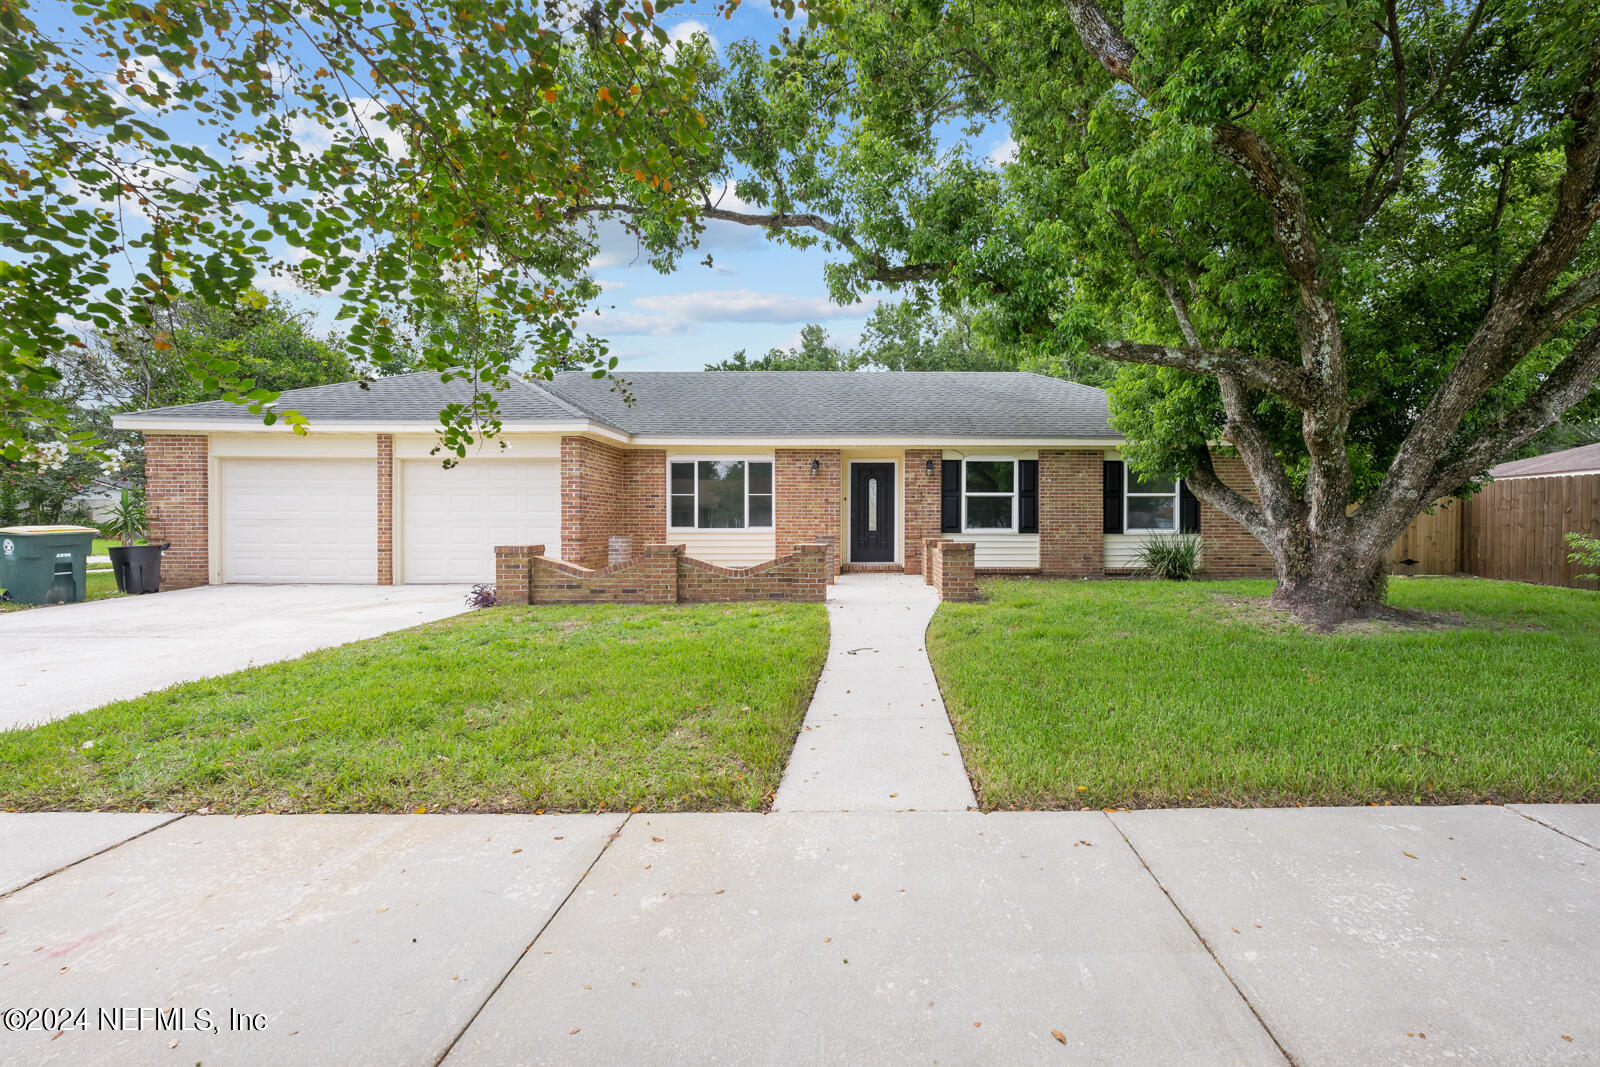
(1171, 557)
(128, 518)
(1585, 553)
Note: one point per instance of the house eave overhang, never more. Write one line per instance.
(169, 424)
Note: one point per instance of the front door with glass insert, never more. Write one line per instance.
(872, 512)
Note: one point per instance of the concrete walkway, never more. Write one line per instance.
(1304, 936)
(876, 737)
(70, 658)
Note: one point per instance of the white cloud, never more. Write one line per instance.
(684, 31)
(747, 305)
(1004, 152)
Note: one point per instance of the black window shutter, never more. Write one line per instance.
(950, 498)
(1027, 496)
(1188, 510)
(1113, 496)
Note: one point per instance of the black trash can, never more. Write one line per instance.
(137, 568)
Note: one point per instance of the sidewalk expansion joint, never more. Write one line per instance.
(1535, 819)
(1287, 1055)
(85, 859)
(604, 847)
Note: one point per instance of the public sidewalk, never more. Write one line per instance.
(1307, 936)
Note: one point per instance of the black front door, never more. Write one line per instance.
(872, 512)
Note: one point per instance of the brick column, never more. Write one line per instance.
(954, 573)
(1072, 513)
(807, 505)
(385, 509)
(511, 566)
(591, 499)
(923, 494)
(1226, 548)
(177, 490)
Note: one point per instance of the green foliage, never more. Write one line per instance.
(882, 120)
(1170, 557)
(815, 352)
(128, 520)
(904, 336)
(430, 162)
(1585, 553)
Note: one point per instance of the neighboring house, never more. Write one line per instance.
(736, 466)
(1584, 459)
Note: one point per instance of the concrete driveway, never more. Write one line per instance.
(1400, 936)
(66, 659)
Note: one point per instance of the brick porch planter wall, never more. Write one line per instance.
(176, 488)
(659, 574)
(807, 505)
(1072, 513)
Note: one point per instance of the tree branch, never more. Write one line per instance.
(1283, 380)
(880, 270)
(1204, 483)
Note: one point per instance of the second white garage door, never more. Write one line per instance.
(299, 520)
(452, 519)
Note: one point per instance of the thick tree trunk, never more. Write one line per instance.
(1325, 582)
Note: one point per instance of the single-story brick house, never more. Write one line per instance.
(738, 467)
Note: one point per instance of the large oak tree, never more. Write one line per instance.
(1354, 240)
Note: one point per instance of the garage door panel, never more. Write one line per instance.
(291, 521)
(452, 519)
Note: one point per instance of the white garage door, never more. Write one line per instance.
(452, 519)
(299, 520)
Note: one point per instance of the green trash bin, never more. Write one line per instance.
(45, 564)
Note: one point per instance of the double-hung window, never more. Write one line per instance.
(720, 494)
(1151, 504)
(989, 495)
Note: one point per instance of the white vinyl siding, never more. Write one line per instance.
(1122, 550)
(289, 521)
(728, 548)
(1002, 551)
(450, 520)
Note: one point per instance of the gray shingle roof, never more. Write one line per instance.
(843, 403)
(935, 404)
(1570, 461)
(402, 398)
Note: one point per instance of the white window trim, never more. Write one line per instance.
(1177, 506)
(1016, 474)
(746, 460)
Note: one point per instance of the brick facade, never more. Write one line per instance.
(1072, 513)
(177, 477)
(807, 505)
(591, 499)
(385, 509)
(922, 488)
(659, 574)
(948, 568)
(1227, 549)
(644, 496)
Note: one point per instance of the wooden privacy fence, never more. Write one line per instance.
(1514, 529)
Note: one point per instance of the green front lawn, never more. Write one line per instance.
(508, 709)
(1145, 694)
(100, 585)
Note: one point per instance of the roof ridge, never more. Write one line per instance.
(567, 405)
